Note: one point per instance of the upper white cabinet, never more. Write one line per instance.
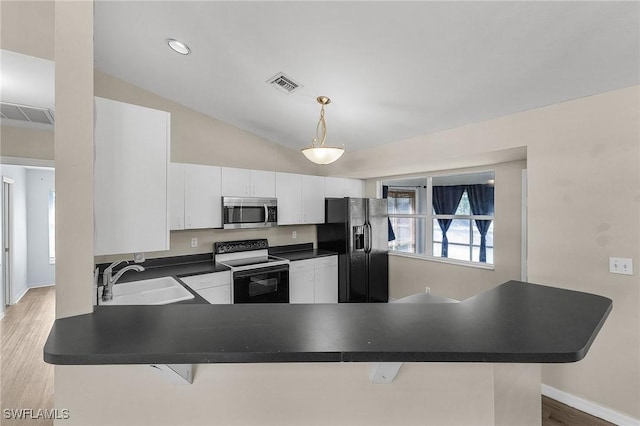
(340, 187)
(300, 199)
(312, 199)
(289, 193)
(195, 196)
(248, 183)
(130, 178)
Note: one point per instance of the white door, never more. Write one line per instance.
(176, 196)
(203, 196)
(326, 280)
(289, 192)
(263, 184)
(334, 187)
(236, 182)
(7, 219)
(312, 199)
(301, 281)
(131, 192)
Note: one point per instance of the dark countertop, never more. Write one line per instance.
(299, 252)
(177, 267)
(513, 322)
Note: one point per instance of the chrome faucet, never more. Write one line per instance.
(108, 280)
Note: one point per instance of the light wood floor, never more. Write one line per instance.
(26, 381)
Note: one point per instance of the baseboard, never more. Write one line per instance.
(589, 407)
(1, 315)
(21, 296)
(41, 285)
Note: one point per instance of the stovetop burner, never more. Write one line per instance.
(258, 261)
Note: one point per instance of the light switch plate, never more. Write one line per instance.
(620, 265)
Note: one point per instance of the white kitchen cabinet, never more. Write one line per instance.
(300, 199)
(312, 199)
(176, 196)
(354, 188)
(195, 196)
(341, 187)
(215, 287)
(314, 280)
(248, 183)
(289, 194)
(132, 146)
(302, 281)
(326, 280)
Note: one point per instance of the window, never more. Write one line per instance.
(460, 216)
(52, 227)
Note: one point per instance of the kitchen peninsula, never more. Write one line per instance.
(473, 362)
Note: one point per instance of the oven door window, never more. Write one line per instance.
(264, 285)
(244, 214)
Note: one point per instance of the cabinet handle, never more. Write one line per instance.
(253, 190)
(189, 217)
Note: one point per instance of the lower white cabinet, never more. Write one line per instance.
(215, 287)
(314, 280)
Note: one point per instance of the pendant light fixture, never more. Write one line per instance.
(318, 152)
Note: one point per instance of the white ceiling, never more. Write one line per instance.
(392, 69)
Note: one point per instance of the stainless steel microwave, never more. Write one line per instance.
(249, 212)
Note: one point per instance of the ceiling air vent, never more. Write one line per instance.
(283, 83)
(30, 114)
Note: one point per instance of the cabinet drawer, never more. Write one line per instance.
(327, 261)
(215, 279)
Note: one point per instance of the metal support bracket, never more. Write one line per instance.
(179, 374)
(384, 372)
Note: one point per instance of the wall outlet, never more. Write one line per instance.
(194, 242)
(619, 265)
(294, 235)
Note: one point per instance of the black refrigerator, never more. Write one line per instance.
(357, 229)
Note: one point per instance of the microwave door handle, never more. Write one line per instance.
(266, 214)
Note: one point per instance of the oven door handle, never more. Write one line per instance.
(266, 214)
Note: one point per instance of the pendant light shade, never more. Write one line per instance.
(318, 152)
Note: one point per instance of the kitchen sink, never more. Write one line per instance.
(156, 291)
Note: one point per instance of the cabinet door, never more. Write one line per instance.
(301, 281)
(130, 171)
(289, 193)
(220, 295)
(236, 182)
(176, 196)
(326, 280)
(312, 199)
(354, 188)
(334, 187)
(203, 197)
(263, 184)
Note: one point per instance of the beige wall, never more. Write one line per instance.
(200, 139)
(583, 161)
(436, 394)
(410, 275)
(26, 143)
(27, 26)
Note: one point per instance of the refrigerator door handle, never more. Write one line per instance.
(367, 238)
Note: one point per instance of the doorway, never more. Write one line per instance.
(7, 253)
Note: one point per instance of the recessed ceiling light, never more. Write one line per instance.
(178, 46)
